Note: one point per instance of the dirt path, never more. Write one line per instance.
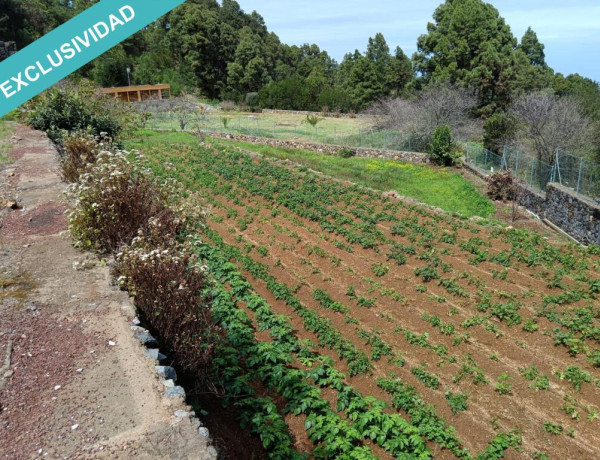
(74, 383)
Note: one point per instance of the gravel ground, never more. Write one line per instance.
(74, 383)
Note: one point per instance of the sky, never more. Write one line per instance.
(570, 29)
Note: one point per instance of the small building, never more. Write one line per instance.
(139, 93)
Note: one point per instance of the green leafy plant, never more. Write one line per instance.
(457, 402)
(442, 149)
(346, 152)
(576, 376)
(553, 428)
(380, 270)
(429, 380)
(503, 385)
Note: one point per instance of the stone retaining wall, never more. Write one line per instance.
(574, 214)
(305, 112)
(408, 157)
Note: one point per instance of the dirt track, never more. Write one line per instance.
(74, 383)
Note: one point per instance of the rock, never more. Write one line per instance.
(203, 431)
(146, 339)
(181, 414)
(210, 450)
(168, 383)
(13, 205)
(154, 353)
(136, 321)
(167, 372)
(175, 392)
(85, 264)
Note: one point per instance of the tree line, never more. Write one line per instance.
(218, 51)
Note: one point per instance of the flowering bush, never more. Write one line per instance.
(79, 150)
(114, 198)
(119, 205)
(161, 270)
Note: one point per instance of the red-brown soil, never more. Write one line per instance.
(294, 262)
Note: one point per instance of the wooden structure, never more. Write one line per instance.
(139, 93)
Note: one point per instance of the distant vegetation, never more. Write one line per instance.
(440, 188)
(217, 51)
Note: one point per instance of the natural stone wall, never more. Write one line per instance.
(408, 157)
(574, 214)
(304, 112)
(532, 200)
(7, 49)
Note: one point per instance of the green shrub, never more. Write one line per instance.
(346, 152)
(499, 129)
(312, 120)
(442, 149)
(252, 100)
(73, 109)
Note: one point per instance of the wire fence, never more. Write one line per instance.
(581, 175)
(250, 125)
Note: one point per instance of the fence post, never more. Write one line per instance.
(486, 159)
(579, 177)
(532, 170)
(558, 167)
(517, 165)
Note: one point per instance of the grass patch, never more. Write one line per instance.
(6, 130)
(142, 139)
(274, 125)
(438, 187)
